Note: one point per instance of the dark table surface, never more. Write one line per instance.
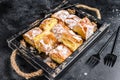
(15, 14)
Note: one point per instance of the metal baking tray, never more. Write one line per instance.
(37, 62)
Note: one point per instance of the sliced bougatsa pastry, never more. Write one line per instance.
(87, 23)
(67, 36)
(72, 20)
(28, 36)
(59, 28)
(45, 42)
(71, 40)
(48, 24)
(60, 53)
(73, 23)
(83, 27)
(61, 15)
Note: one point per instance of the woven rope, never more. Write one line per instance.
(17, 69)
(90, 8)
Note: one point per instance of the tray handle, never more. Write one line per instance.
(89, 8)
(21, 73)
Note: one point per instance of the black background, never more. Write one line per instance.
(16, 14)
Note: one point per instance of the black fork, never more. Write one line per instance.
(95, 58)
(111, 58)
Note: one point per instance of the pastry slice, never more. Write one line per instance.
(45, 42)
(72, 20)
(78, 28)
(58, 29)
(74, 17)
(48, 24)
(28, 36)
(71, 40)
(60, 53)
(61, 15)
(89, 27)
(73, 23)
(84, 27)
(86, 21)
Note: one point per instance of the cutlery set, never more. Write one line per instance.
(110, 58)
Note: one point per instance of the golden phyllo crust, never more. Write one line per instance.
(89, 27)
(45, 42)
(71, 40)
(61, 15)
(28, 36)
(85, 28)
(60, 53)
(59, 29)
(48, 24)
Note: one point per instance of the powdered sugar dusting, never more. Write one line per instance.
(58, 30)
(90, 31)
(71, 23)
(62, 14)
(63, 50)
(47, 47)
(35, 32)
(74, 17)
(77, 37)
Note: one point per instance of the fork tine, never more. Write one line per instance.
(111, 61)
(105, 60)
(89, 60)
(95, 63)
(108, 62)
(96, 60)
(92, 61)
(114, 61)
